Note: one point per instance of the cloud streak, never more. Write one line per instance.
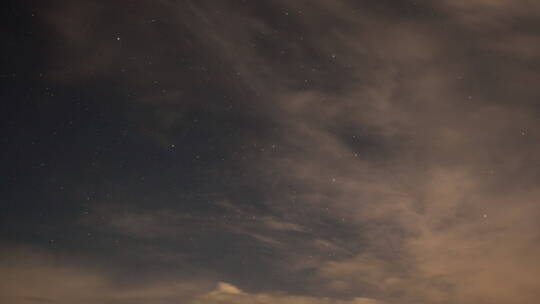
(358, 153)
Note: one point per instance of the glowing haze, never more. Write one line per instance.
(284, 152)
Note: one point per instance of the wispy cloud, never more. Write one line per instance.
(396, 152)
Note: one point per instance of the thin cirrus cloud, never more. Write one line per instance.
(395, 147)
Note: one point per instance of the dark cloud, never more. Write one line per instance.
(272, 152)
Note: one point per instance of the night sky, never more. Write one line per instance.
(270, 152)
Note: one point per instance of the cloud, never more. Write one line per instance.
(30, 277)
(227, 293)
(406, 144)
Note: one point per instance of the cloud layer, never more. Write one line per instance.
(330, 152)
